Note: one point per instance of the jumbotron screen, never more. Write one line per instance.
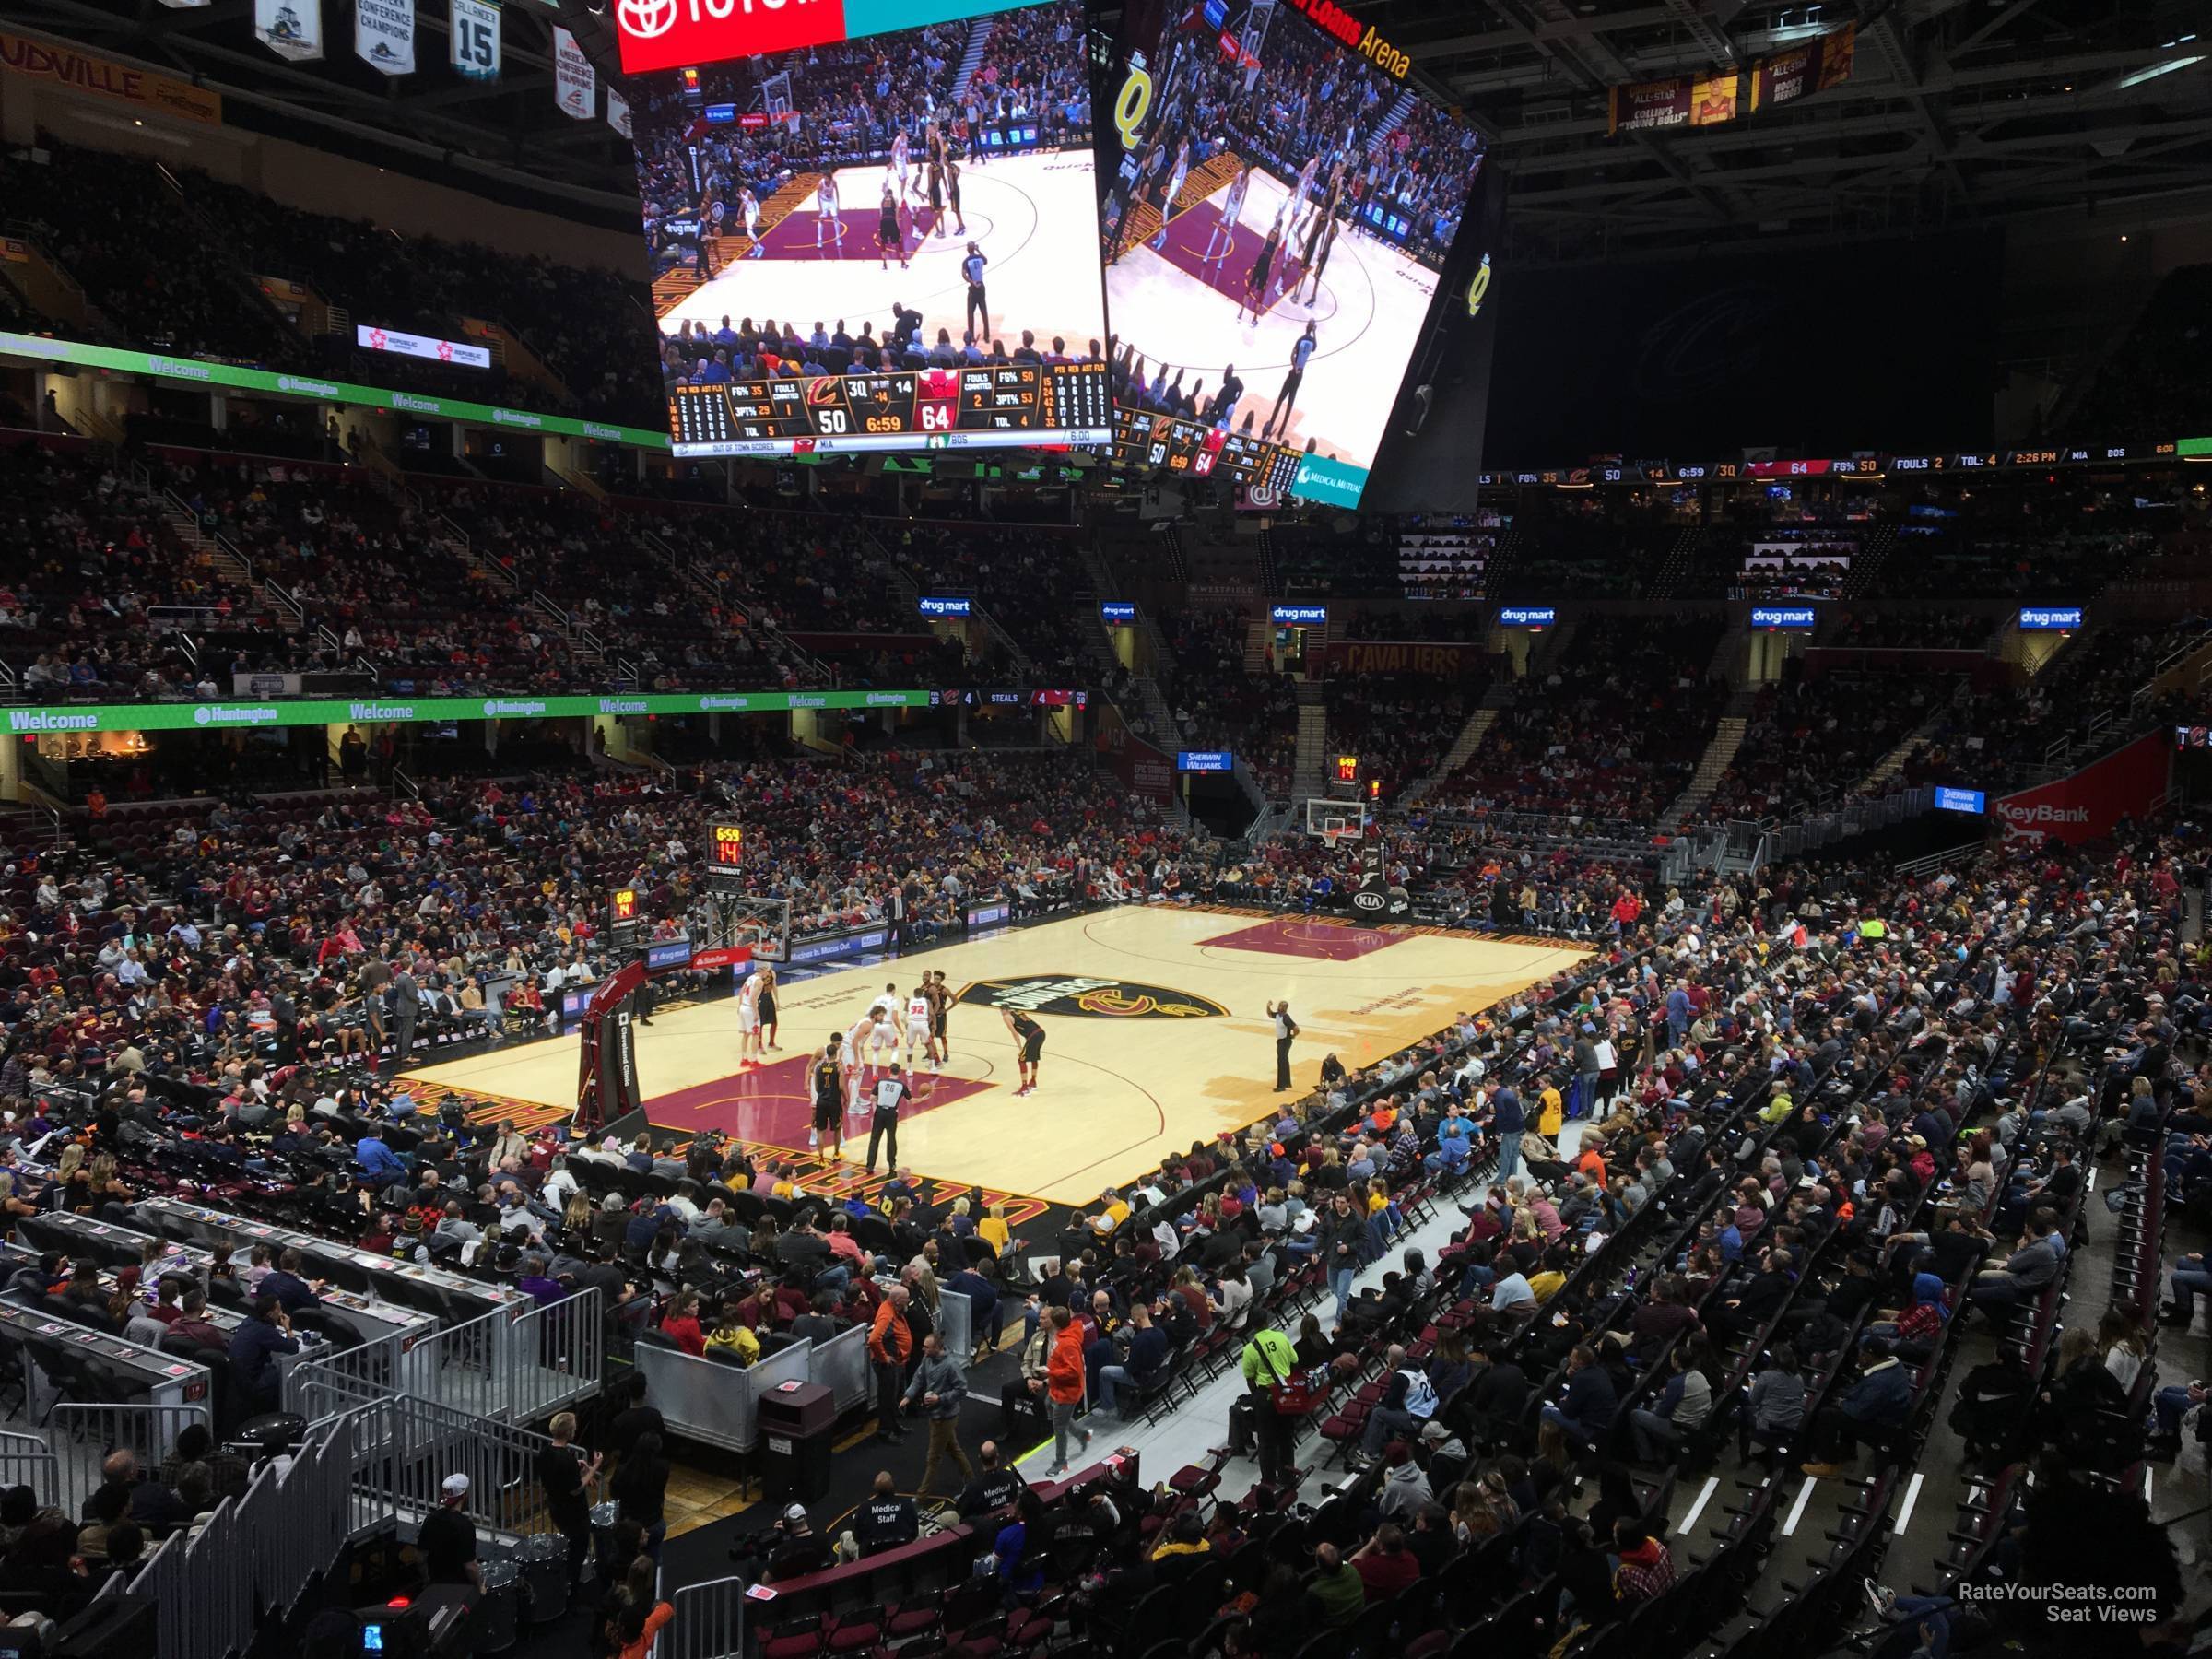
(1274, 231)
(881, 243)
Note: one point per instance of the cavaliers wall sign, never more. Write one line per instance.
(1108, 998)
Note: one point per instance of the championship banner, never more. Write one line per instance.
(383, 34)
(473, 40)
(1445, 661)
(77, 70)
(2086, 806)
(617, 113)
(1679, 102)
(290, 29)
(1814, 66)
(575, 83)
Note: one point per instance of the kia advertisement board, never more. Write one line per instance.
(2085, 806)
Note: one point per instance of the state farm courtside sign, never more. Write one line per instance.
(2085, 805)
(674, 34)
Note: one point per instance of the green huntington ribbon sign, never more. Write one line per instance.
(201, 373)
(399, 710)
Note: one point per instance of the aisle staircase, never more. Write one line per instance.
(1392, 120)
(1310, 769)
(972, 60)
(1713, 766)
(1894, 762)
(1681, 559)
(1471, 733)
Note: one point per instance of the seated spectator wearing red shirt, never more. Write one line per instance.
(680, 1323)
(1384, 1565)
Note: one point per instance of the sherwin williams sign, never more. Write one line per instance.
(201, 373)
(402, 710)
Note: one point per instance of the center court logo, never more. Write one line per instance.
(1102, 998)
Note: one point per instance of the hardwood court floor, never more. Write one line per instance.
(1156, 1036)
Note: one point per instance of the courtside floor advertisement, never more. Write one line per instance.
(872, 241)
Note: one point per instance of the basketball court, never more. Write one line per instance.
(1177, 304)
(1034, 217)
(1157, 1035)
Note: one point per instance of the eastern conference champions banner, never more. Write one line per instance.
(383, 34)
(382, 711)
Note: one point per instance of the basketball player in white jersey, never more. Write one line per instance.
(1299, 205)
(824, 215)
(1222, 240)
(899, 155)
(918, 1033)
(1181, 171)
(883, 1040)
(748, 210)
(849, 1057)
(749, 1022)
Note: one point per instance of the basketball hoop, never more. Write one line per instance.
(1334, 836)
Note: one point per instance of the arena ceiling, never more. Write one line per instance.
(1958, 113)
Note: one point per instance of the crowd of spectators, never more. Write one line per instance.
(1822, 1082)
(96, 212)
(1613, 730)
(2004, 734)
(1218, 704)
(97, 582)
(1861, 628)
(1399, 724)
(1813, 741)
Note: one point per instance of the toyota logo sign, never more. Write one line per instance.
(676, 34)
(647, 19)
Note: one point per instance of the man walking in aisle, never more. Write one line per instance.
(939, 1386)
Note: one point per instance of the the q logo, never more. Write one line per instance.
(647, 20)
(1129, 109)
(1479, 286)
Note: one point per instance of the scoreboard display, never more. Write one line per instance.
(972, 406)
(725, 854)
(1145, 442)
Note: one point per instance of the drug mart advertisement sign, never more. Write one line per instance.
(402, 711)
(2086, 806)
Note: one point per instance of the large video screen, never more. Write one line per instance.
(1274, 229)
(878, 243)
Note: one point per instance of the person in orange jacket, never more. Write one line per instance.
(890, 1342)
(1064, 1377)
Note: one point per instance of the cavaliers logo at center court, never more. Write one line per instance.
(1108, 998)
